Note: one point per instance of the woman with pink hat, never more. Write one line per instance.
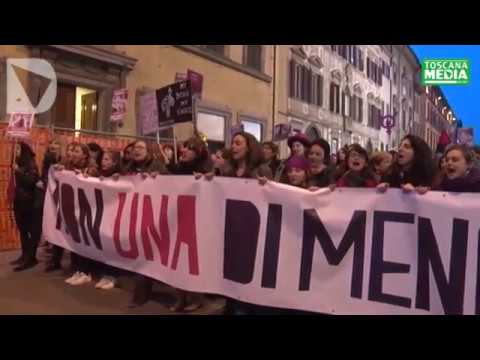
(299, 146)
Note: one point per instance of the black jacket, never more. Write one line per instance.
(469, 183)
(398, 178)
(184, 168)
(324, 179)
(26, 178)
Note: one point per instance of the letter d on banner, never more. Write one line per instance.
(17, 95)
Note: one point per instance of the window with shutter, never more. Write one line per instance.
(379, 114)
(306, 85)
(320, 91)
(292, 78)
(353, 109)
(380, 77)
(333, 47)
(369, 120)
(337, 102)
(368, 67)
(343, 103)
(360, 110)
(332, 97)
(360, 60)
(298, 81)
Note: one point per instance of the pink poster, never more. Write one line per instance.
(20, 125)
(149, 113)
(196, 79)
(119, 105)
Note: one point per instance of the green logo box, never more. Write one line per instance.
(446, 72)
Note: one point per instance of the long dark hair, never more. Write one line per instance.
(423, 168)
(27, 156)
(254, 157)
(326, 149)
(98, 149)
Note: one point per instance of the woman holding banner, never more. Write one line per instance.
(79, 162)
(270, 151)
(246, 161)
(194, 160)
(55, 262)
(358, 172)
(460, 173)
(110, 168)
(413, 169)
(321, 171)
(145, 164)
(27, 205)
(299, 146)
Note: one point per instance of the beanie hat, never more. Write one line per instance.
(298, 138)
(298, 162)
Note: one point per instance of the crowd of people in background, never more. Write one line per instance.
(311, 166)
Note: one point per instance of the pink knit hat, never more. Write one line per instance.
(298, 162)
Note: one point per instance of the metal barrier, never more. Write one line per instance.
(40, 137)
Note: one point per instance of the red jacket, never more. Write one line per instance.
(369, 183)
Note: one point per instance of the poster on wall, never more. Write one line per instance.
(149, 113)
(180, 77)
(20, 124)
(196, 80)
(281, 132)
(119, 105)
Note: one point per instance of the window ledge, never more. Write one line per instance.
(219, 59)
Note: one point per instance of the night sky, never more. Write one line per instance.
(464, 99)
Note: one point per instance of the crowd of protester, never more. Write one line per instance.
(310, 166)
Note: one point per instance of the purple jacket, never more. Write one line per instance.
(469, 183)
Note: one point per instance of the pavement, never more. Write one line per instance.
(34, 292)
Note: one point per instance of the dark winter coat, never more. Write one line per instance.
(188, 168)
(148, 166)
(323, 179)
(26, 178)
(354, 179)
(398, 178)
(469, 183)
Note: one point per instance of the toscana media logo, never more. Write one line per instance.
(446, 72)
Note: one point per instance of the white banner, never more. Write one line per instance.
(353, 251)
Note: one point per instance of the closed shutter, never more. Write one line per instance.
(320, 90)
(292, 78)
(332, 97)
(353, 107)
(360, 110)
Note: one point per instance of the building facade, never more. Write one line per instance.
(439, 115)
(237, 85)
(337, 92)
